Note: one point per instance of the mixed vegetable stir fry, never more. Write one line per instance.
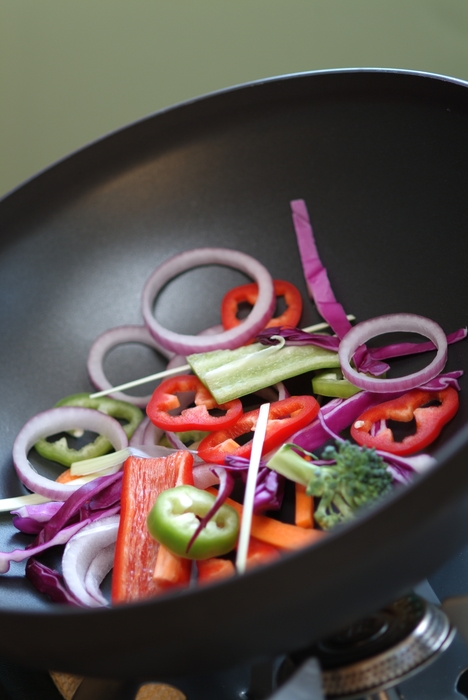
(183, 487)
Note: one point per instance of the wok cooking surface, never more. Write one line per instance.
(380, 158)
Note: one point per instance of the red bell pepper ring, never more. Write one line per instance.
(417, 404)
(248, 293)
(285, 418)
(165, 398)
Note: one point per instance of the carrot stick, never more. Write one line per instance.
(171, 571)
(304, 508)
(66, 476)
(214, 569)
(260, 553)
(281, 535)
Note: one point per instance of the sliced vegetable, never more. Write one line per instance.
(331, 383)
(431, 410)
(60, 452)
(174, 519)
(283, 536)
(111, 339)
(296, 336)
(319, 285)
(229, 374)
(79, 553)
(215, 569)
(269, 489)
(303, 507)
(171, 570)
(260, 553)
(258, 444)
(185, 344)
(100, 566)
(392, 323)
(51, 422)
(346, 478)
(248, 294)
(49, 582)
(315, 273)
(198, 417)
(136, 550)
(285, 418)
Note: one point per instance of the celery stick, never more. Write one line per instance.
(229, 374)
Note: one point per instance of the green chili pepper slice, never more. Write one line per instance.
(60, 452)
(175, 516)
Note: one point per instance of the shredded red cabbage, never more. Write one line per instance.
(371, 360)
(315, 273)
(269, 489)
(86, 503)
(295, 336)
(49, 582)
(30, 526)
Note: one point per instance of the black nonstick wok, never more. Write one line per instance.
(380, 156)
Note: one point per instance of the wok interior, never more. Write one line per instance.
(380, 159)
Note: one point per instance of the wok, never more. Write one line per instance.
(380, 157)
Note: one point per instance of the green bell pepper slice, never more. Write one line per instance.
(175, 516)
(230, 374)
(330, 382)
(60, 452)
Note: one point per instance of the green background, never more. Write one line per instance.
(73, 70)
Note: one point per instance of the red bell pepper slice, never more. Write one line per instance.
(165, 398)
(248, 293)
(136, 551)
(417, 404)
(285, 417)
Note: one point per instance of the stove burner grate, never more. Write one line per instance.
(381, 650)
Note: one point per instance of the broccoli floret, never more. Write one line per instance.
(356, 476)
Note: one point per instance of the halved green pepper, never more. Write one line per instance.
(60, 452)
(230, 374)
(175, 517)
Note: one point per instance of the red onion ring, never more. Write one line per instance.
(81, 550)
(392, 323)
(98, 570)
(109, 340)
(187, 344)
(58, 420)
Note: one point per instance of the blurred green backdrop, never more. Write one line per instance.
(73, 70)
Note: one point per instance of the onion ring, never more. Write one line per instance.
(392, 323)
(187, 344)
(80, 552)
(57, 420)
(105, 343)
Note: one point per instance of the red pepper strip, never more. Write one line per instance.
(248, 293)
(197, 417)
(429, 419)
(285, 417)
(136, 550)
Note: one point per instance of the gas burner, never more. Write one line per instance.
(381, 650)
